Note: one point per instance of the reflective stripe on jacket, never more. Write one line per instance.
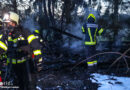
(91, 30)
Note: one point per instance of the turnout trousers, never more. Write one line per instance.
(21, 73)
(90, 50)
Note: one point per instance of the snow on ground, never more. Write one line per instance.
(107, 82)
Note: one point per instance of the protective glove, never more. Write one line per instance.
(0, 79)
(25, 49)
(39, 65)
(3, 59)
(39, 61)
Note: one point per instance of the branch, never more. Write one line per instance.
(119, 57)
(98, 55)
(126, 64)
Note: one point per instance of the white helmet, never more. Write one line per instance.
(0, 20)
(11, 16)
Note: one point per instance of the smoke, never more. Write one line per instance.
(72, 43)
(101, 45)
(75, 29)
(30, 24)
(120, 37)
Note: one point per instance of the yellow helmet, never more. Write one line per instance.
(11, 16)
(91, 15)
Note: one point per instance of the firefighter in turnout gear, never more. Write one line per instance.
(38, 36)
(41, 40)
(91, 30)
(19, 44)
(0, 55)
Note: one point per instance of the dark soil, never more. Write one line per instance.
(65, 79)
(78, 78)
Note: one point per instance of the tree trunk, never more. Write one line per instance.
(115, 18)
(90, 2)
(40, 7)
(67, 11)
(45, 12)
(14, 5)
(116, 8)
(62, 17)
(50, 12)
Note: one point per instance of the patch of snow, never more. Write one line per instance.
(38, 88)
(107, 82)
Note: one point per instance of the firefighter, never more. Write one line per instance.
(38, 36)
(19, 44)
(91, 30)
(1, 56)
(40, 39)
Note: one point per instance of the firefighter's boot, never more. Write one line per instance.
(90, 69)
(95, 66)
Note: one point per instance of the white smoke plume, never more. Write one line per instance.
(30, 24)
(75, 44)
(121, 35)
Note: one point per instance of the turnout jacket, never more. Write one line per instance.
(91, 30)
(19, 44)
(39, 38)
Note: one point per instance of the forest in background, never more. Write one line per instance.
(60, 21)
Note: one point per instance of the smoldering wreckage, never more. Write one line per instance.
(65, 68)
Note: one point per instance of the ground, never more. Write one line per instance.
(77, 79)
